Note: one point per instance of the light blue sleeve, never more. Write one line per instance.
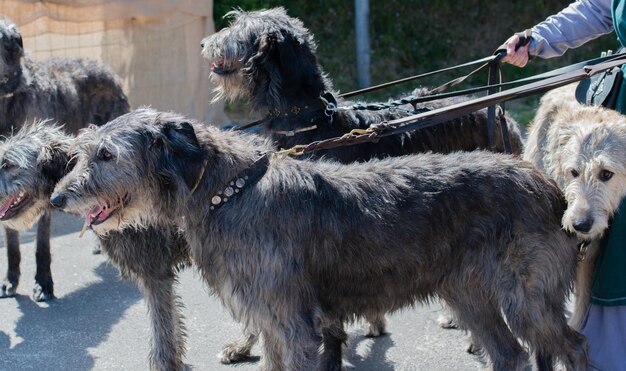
(581, 21)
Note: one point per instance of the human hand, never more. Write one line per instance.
(517, 49)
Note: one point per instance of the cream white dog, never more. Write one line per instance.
(583, 148)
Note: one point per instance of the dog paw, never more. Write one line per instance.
(39, 294)
(447, 321)
(95, 250)
(232, 354)
(375, 326)
(8, 290)
(474, 349)
(374, 331)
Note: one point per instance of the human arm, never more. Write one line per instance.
(581, 21)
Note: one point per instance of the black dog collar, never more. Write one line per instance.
(246, 178)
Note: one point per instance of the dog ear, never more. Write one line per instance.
(264, 70)
(52, 161)
(180, 154)
(297, 61)
(558, 146)
(286, 66)
(14, 42)
(18, 41)
(87, 129)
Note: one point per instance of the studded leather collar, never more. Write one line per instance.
(245, 179)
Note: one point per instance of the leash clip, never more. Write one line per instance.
(330, 103)
(297, 150)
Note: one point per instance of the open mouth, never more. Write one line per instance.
(12, 205)
(218, 68)
(99, 214)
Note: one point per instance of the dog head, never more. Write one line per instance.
(129, 171)
(590, 166)
(11, 53)
(31, 163)
(265, 57)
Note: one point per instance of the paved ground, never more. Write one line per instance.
(99, 321)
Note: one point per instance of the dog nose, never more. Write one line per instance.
(583, 226)
(202, 45)
(58, 200)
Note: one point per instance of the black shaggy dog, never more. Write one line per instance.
(72, 92)
(268, 58)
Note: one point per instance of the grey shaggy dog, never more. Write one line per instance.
(269, 59)
(73, 92)
(32, 162)
(583, 148)
(301, 246)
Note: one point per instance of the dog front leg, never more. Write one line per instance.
(12, 280)
(273, 349)
(44, 287)
(168, 333)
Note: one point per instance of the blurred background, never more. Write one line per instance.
(154, 45)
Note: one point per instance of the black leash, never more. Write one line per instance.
(494, 79)
(325, 101)
(436, 93)
(437, 116)
(427, 98)
(494, 85)
(485, 62)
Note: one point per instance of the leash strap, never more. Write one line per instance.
(432, 95)
(437, 116)
(415, 77)
(542, 76)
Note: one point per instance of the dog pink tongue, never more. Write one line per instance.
(92, 213)
(6, 206)
(105, 214)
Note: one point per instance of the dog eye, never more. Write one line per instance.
(104, 155)
(71, 163)
(7, 165)
(574, 173)
(605, 175)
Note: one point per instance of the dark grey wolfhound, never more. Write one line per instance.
(73, 92)
(294, 248)
(269, 59)
(33, 161)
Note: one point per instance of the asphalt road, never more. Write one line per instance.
(100, 322)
